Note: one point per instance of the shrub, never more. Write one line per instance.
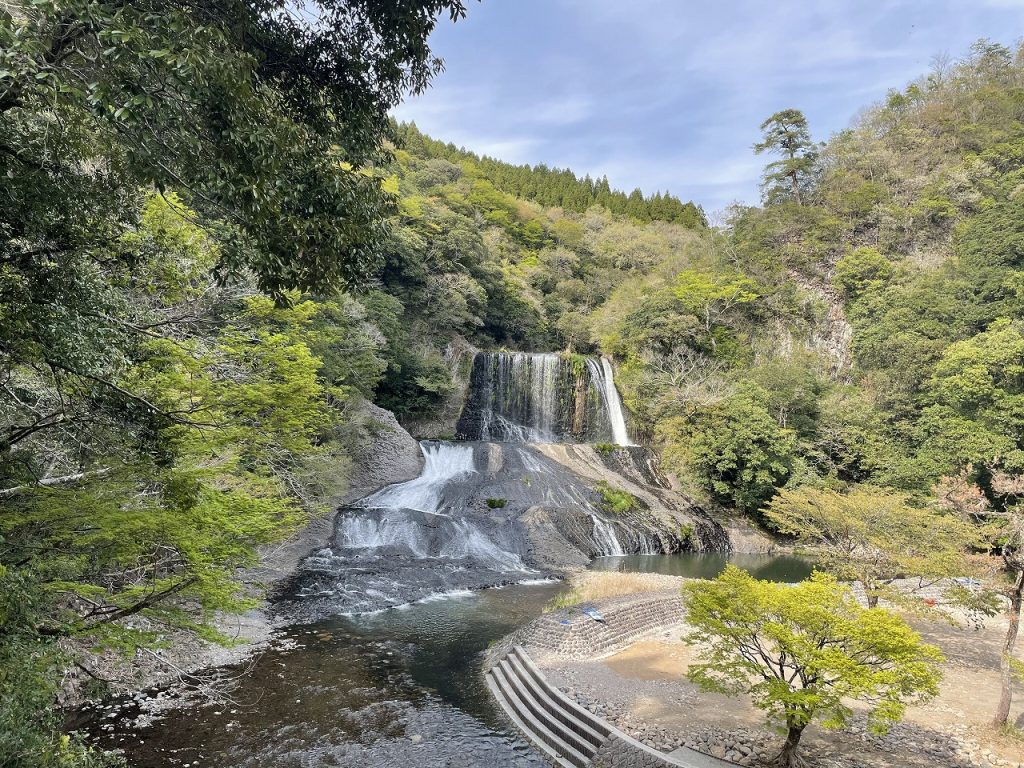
(615, 501)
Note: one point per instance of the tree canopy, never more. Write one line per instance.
(801, 652)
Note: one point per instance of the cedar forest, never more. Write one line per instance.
(202, 269)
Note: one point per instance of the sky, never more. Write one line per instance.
(669, 94)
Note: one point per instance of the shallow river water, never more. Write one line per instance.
(400, 689)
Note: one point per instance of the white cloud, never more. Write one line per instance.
(663, 94)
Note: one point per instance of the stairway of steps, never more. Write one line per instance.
(569, 735)
(566, 732)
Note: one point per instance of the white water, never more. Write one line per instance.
(604, 537)
(443, 462)
(363, 532)
(614, 404)
(516, 413)
(467, 541)
(544, 394)
(391, 524)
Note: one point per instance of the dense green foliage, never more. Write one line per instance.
(873, 537)
(615, 501)
(175, 173)
(803, 651)
(867, 332)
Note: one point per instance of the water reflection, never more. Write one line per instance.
(693, 565)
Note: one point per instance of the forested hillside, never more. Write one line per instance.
(557, 187)
(212, 244)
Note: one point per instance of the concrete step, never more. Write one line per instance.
(538, 731)
(566, 716)
(596, 724)
(565, 731)
(513, 715)
(543, 711)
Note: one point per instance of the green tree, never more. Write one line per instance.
(265, 120)
(873, 536)
(711, 297)
(802, 651)
(786, 133)
(736, 450)
(860, 270)
(174, 172)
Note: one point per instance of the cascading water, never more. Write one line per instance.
(603, 377)
(517, 398)
(479, 515)
(442, 464)
(605, 539)
(542, 398)
(614, 404)
(416, 540)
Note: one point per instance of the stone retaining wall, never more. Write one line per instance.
(620, 751)
(571, 633)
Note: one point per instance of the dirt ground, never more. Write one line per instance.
(645, 691)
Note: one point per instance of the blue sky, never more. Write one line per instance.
(668, 94)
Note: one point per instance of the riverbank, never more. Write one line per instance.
(639, 684)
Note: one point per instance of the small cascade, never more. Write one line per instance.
(363, 532)
(416, 541)
(468, 542)
(542, 398)
(443, 463)
(604, 379)
(606, 543)
(615, 411)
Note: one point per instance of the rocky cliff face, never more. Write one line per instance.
(832, 334)
(665, 519)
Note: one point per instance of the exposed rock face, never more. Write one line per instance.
(382, 452)
(485, 514)
(379, 452)
(676, 522)
(832, 334)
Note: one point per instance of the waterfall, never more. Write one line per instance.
(520, 391)
(469, 542)
(361, 532)
(418, 540)
(604, 378)
(605, 540)
(614, 403)
(542, 398)
(443, 462)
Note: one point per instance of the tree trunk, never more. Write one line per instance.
(872, 600)
(1006, 673)
(788, 757)
(796, 187)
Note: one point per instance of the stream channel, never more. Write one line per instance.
(381, 665)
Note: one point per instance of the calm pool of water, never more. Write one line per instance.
(693, 565)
